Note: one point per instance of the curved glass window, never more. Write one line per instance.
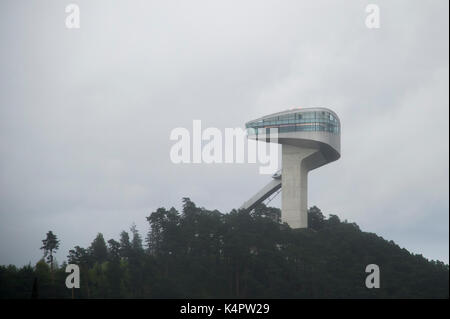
(318, 121)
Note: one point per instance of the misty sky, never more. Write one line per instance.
(86, 114)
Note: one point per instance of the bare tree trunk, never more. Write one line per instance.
(51, 260)
(51, 266)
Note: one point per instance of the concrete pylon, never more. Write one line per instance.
(294, 185)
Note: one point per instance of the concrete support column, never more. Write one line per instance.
(294, 185)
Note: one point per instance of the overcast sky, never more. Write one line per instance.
(86, 114)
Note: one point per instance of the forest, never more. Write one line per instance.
(198, 253)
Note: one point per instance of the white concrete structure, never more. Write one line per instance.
(310, 138)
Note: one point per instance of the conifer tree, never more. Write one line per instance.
(50, 244)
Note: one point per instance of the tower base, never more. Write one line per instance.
(294, 186)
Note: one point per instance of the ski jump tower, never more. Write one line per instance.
(310, 138)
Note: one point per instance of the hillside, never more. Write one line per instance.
(199, 253)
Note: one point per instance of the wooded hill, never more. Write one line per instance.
(199, 253)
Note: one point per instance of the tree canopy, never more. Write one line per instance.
(49, 245)
(200, 253)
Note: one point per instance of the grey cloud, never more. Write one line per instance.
(86, 114)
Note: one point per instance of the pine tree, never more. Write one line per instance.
(98, 249)
(125, 245)
(136, 242)
(49, 245)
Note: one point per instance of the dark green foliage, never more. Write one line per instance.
(49, 245)
(98, 249)
(205, 254)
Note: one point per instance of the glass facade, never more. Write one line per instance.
(321, 121)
